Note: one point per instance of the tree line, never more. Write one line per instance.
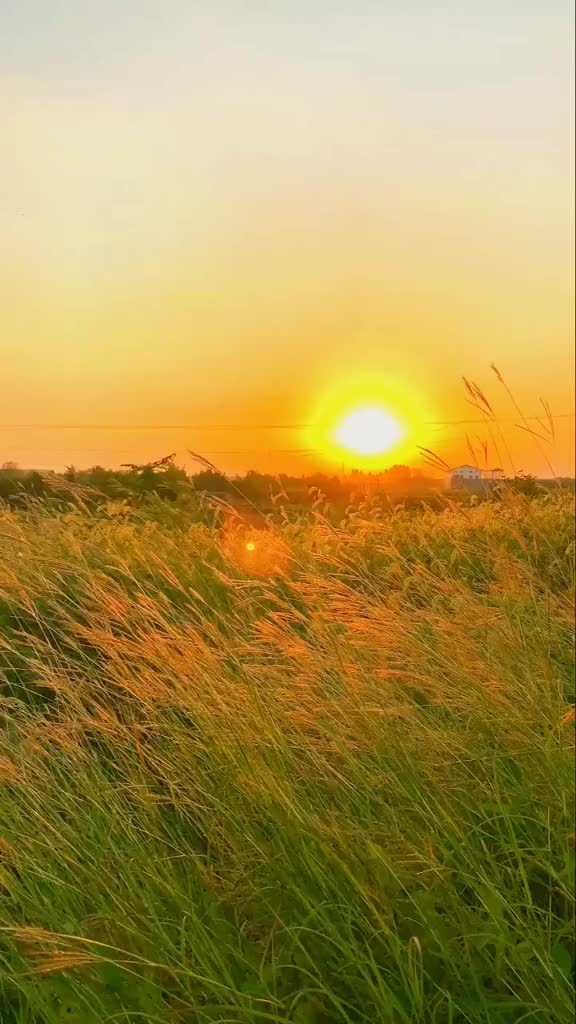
(164, 479)
(135, 485)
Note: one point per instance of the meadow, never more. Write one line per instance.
(313, 773)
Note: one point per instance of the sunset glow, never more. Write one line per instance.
(213, 212)
(287, 511)
(368, 431)
(369, 421)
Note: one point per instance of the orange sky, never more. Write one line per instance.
(216, 213)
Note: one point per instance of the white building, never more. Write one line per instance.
(472, 478)
(466, 473)
(462, 477)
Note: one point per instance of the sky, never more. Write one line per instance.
(220, 213)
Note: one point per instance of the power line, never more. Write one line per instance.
(219, 451)
(250, 426)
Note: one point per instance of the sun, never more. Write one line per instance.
(366, 421)
(368, 430)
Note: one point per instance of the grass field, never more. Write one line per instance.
(306, 774)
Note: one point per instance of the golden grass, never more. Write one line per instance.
(330, 770)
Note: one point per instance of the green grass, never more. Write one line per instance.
(327, 780)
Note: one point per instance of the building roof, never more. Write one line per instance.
(465, 466)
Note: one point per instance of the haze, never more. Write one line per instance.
(214, 212)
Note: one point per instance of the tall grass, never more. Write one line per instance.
(310, 774)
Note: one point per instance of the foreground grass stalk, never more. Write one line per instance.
(323, 777)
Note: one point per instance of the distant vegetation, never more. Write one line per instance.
(165, 479)
(277, 496)
(318, 773)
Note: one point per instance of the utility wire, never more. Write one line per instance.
(218, 451)
(247, 426)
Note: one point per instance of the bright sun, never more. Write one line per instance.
(368, 430)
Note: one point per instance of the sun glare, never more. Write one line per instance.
(368, 431)
(367, 422)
